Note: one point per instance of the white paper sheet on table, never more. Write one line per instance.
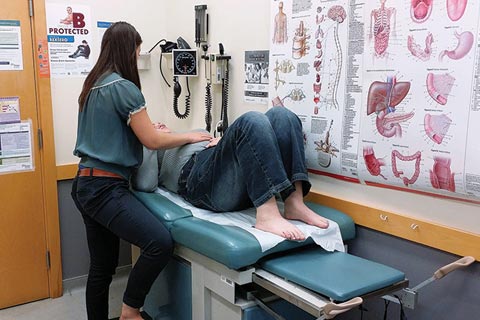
(330, 239)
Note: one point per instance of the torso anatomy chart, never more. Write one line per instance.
(388, 91)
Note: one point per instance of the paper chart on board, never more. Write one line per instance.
(388, 92)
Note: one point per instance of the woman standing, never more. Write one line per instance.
(113, 124)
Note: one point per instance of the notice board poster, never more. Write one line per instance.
(388, 92)
(69, 39)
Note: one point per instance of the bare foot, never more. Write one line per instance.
(299, 211)
(295, 209)
(269, 219)
(129, 313)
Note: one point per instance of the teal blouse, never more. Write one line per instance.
(104, 137)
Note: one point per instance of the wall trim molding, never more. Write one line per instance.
(459, 242)
(66, 171)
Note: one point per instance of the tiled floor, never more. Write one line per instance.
(70, 306)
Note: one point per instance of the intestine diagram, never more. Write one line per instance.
(388, 92)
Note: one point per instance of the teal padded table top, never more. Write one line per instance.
(338, 275)
(231, 246)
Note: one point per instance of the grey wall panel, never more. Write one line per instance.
(75, 259)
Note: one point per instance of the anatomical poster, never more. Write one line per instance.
(388, 91)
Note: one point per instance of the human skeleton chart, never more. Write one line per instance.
(388, 91)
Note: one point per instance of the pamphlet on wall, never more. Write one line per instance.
(16, 152)
(9, 110)
(69, 39)
(256, 76)
(10, 45)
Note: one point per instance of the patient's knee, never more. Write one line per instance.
(253, 119)
(282, 114)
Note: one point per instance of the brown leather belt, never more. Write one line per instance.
(94, 172)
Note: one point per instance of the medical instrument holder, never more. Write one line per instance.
(408, 297)
(201, 24)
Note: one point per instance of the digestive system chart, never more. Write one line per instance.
(388, 91)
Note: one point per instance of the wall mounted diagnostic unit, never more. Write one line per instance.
(185, 62)
(201, 24)
(217, 72)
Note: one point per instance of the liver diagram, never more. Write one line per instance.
(383, 97)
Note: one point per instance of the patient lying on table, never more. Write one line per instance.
(259, 157)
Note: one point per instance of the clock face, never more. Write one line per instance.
(185, 62)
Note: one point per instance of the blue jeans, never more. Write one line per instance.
(110, 212)
(260, 156)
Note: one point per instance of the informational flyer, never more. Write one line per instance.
(9, 110)
(256, 76)
(11, 53)
(43, 60)
(69, 39)
(388, 92)
(16, 153)
(102, 26)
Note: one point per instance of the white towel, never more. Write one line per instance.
(329, 239)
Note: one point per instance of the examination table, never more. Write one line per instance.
(220, 272)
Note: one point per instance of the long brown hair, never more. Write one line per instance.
(117, 54)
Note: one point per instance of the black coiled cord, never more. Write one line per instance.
(177, 89)
(208, 107)
(225, 83)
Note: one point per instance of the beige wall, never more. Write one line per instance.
(239, 25)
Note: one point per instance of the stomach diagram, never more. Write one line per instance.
(464, 44)
(383, 97)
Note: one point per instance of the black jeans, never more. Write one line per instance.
(110, 212)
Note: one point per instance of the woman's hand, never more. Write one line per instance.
(197, 136)
(213, 142)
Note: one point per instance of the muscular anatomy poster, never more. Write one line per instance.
(388, 91)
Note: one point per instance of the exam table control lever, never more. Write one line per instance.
(463, 262)
(408, 297)
(333, 309)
